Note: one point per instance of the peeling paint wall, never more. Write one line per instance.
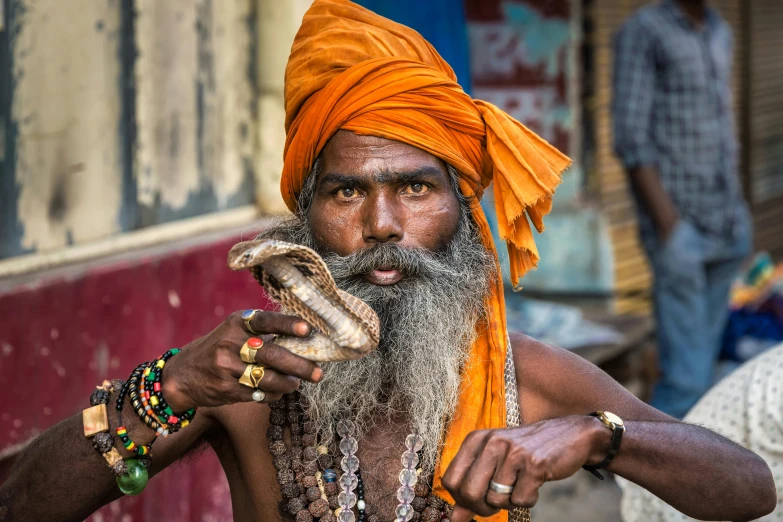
(166, 76)
(278, 23)
(520, 52)
(195, 114)
(66, 106)
(121, 114)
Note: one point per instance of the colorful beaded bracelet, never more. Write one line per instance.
(152, 397)
(122, 432)
(137, 398)
(143, 388)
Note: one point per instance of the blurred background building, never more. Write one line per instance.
(139, 139)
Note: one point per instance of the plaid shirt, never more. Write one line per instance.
(672, 108)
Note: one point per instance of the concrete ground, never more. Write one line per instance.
(581, 498)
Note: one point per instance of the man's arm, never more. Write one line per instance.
(634, 84)
(697, 471)
(60, 476)
(647, 184)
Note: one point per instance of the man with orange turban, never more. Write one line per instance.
(386, 160)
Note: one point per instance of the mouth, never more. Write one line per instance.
(383, 276)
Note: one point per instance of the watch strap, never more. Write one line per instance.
(617, 437)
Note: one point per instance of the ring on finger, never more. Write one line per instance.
(247, 317)
(500, 489)
(249, 350)
(252, 376)
(259, 396)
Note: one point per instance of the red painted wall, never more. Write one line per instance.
(519, 62)
(63, 334)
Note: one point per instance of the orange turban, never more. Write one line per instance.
(352, 69)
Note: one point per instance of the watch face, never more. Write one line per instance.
(614, 419)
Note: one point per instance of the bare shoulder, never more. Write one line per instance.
(534, 359)
(554, 382)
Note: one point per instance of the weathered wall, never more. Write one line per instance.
(520, 53)
(102, 319)
(278, 23)
(122, 114)
(525, 59)
(62, 176)
(195, 118)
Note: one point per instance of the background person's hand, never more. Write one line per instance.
(206, 372)
(524, 458)
(666, 229)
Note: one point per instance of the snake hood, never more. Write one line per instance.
(296, 277)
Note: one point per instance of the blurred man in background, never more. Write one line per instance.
(674, 133)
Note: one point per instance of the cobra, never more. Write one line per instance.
(296, 277)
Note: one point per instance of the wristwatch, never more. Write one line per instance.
(614, 423)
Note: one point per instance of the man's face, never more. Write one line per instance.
(372, 191)
(395, 233)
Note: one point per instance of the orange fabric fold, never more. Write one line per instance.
(354, 70)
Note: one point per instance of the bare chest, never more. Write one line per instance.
(256, 492)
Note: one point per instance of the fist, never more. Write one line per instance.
(521, 458)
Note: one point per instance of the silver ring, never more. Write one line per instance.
(247, 316)
(500, 489)
(259, 396)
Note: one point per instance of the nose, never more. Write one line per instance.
(381, 221)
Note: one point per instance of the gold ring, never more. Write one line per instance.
(252, 376)
(247, 317)
(250, 348)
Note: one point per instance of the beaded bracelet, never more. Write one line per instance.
(96, 424)
(152, 396)
(122, 432)
(138, 399)
(144, 389)
(135, 479)
(131, 475)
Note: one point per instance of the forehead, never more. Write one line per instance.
(350, 153)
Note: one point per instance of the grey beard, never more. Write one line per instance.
(428, 324)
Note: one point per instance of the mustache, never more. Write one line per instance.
(411, 261)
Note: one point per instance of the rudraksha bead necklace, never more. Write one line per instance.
(314, 489)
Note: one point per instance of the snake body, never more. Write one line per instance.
(296, 277)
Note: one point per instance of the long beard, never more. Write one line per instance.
(428, 324)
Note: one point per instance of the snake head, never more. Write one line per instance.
(243, 255)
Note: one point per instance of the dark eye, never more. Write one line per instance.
(417, 188)
(348, 193)
(247, 255)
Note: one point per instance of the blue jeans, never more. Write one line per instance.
(693, 275)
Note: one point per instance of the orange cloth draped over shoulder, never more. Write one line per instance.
(352, 69)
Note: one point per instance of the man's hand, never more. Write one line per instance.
(666, 227)
(207, 370)
(647, 184)
(524, 458)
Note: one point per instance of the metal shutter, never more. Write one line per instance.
(763, 151)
